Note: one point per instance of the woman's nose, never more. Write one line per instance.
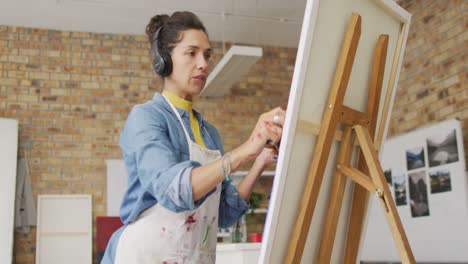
(202, 63)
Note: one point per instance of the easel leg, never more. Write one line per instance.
(386, 200)
(356, 224)
(360, 200)
(336, 199)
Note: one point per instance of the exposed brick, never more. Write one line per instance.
(60, 76)
(17, 74)
(27, 98)
(8, 97)
(39, 75)
(16, 106)
(437, 43)
(49, 98)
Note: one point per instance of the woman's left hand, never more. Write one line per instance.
(267, 157)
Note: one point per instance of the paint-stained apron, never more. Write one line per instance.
(162, 236)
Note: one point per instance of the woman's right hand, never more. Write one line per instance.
(267, 133)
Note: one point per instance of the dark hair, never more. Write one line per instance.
(170, 35)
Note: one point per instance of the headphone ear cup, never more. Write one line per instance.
(159, 62)
(167, 70)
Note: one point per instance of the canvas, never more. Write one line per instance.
(324, 26)
(8, 156)
(64, 229)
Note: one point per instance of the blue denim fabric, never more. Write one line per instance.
(156, 156)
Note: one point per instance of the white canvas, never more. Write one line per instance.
(8, 157)
(323, 29)
(64, 229)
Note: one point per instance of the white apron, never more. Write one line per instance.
(162, 236)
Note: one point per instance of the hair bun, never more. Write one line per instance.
(155, 23)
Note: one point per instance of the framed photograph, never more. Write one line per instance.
(400, 190)
(418, 194)
(440, 181)
(388, 176)
(415, 158)
(442, 149)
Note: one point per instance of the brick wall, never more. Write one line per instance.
(71, 92)
(433, 80)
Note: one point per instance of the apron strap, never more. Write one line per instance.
(189, 140)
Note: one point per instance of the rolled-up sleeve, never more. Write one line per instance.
(160, 170)
(232, 206)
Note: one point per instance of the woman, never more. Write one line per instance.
(179, 189)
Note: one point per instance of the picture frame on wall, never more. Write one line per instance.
(418, 194)
(415, 158)
(400, 187)
(442, 148)
(440, 181)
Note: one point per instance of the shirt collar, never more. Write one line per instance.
(158, 98)
(178, 102)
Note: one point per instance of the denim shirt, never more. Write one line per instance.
(156, 156)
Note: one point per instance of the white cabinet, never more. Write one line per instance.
(238, 253)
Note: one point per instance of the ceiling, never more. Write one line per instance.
(255, 22)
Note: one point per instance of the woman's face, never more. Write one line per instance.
(189, 64)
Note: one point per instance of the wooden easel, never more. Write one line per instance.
(364, 125)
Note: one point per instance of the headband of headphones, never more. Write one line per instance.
(162, 63)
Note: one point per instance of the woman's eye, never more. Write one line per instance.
(207, 56)
(191, 53)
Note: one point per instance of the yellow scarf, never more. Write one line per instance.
(187, 106)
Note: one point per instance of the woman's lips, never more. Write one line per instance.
(200, 77)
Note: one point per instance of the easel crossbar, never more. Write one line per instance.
(359, 177)
(350, 116)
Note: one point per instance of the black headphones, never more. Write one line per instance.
(162, 63)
